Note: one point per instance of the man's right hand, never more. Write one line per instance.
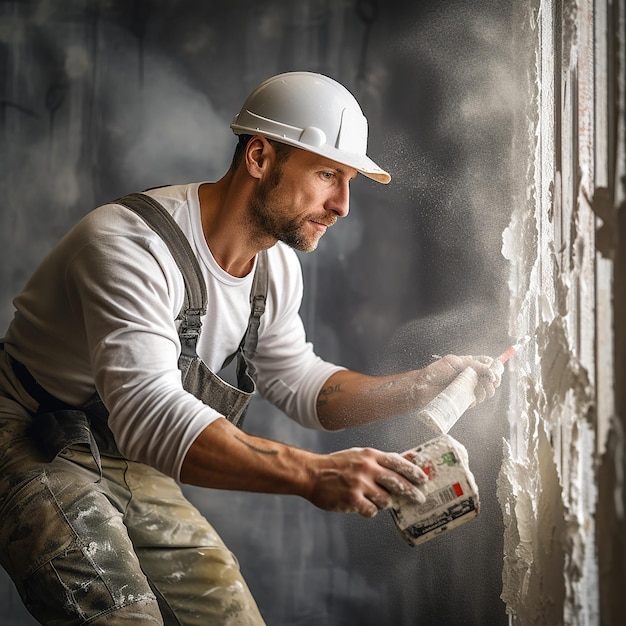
(364, 481)
(359, 480)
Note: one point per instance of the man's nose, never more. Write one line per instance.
(339, 203)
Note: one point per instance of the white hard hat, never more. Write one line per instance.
(312, 112)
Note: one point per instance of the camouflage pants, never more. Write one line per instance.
(126, 549)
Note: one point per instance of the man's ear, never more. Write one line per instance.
(259, 155)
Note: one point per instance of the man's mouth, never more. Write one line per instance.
(326, 223)
(319, 226)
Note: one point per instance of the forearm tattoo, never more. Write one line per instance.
(255, 448)
(326, 393)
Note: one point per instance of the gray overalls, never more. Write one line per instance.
(121, 545)
(58, 425)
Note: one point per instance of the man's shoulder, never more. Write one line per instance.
(113, 217)
(171, 196)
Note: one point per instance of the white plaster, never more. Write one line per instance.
(546, 484)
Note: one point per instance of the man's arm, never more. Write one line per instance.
(350, 399)
(360, 480)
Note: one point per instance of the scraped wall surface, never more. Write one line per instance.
(562, 481)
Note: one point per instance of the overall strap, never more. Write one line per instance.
(258, 298)
(247, 347)
(195, 302)
(58, 425)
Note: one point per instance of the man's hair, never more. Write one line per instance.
(282, 151)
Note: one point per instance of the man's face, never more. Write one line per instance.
(300, 199)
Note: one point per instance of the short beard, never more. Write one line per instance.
(265, 222)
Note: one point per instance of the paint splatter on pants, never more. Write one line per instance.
(128, 549)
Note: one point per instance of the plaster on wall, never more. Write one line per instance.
(546, 486)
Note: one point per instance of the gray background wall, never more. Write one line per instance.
(98, 99)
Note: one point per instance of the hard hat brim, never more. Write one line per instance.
(360, 162)
(312, 112)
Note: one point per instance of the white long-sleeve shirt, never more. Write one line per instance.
(99, 313)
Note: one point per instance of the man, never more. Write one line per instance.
(108, 392)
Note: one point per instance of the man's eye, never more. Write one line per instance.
(327, 175)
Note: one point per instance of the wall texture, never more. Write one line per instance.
(102, 98)
(561, 485)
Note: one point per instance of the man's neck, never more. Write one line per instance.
(223, 211)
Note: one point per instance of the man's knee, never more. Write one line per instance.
(68, 591)
(72, 562)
